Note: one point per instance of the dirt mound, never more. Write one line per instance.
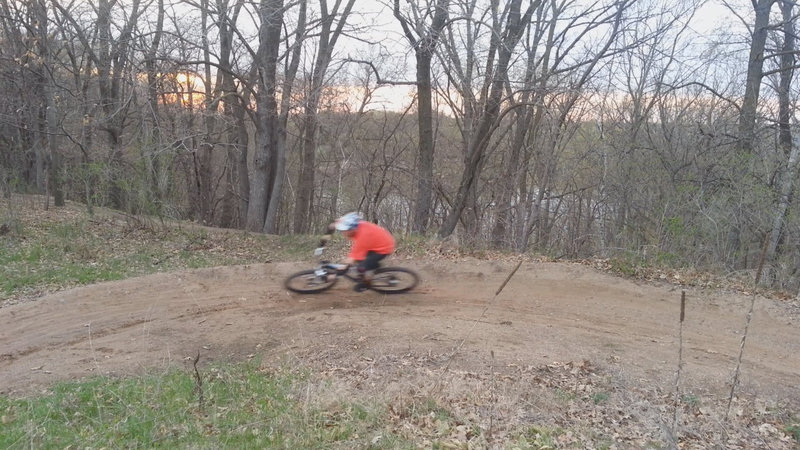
(554, 328)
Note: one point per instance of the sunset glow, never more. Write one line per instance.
(188, 89)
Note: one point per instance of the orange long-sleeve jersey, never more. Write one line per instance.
(370, 237)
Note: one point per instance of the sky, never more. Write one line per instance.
(712, 16)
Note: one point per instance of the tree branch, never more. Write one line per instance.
(378, 75)
(708, 88)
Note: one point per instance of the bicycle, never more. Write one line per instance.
(386, 280)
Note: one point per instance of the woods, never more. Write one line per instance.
(645, 130)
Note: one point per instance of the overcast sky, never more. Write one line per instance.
(375, 15)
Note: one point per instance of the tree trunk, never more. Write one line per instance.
(787, 144)
(111, 60)
(237, 190)
(271, 13)
(51, 132)
(785, 190)
(271, 221)
(755, 65)
(150, 152)
(426, 149)
(527, 117)
(327, 42)
(424, 49)
(205, 151)
(502, 226)
(748, 111)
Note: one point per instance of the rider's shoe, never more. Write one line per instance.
(361, 286)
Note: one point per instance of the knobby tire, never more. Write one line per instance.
(306, 282)
(393, 280)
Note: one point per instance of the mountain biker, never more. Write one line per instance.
(370, 244)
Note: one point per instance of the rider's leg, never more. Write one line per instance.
(367, 267)
(371, 263)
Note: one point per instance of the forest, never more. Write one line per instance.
(660, 131)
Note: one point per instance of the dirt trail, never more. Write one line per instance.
(548, 312)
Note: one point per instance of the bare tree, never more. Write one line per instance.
(251, 198)
(25, 111)
(504, 42)
(331, 26)
(203, 157)
(152, 116)
(755, 74)
(77, 83)
(266, 116)
(790, 147)
(748, 112)
(46, 77)
(235, 200)
(293, 55)
(423, 40)
(110, 55)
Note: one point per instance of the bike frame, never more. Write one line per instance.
(328, 268)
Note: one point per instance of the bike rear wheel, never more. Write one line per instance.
(393, 280)
(308, 282)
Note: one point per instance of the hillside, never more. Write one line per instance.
(566, 356)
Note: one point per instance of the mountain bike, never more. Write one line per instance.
(386, 280)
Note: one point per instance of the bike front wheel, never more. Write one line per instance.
(308, 282)
(393, 280)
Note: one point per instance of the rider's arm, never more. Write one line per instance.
(327, 236)
(344, 266)
(324, 239)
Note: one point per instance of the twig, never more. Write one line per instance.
(747, 327)
(492, 399)
(475, 322)
(199, 384)
(678, 372)
(91, 347)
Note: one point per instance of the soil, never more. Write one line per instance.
(556, 337)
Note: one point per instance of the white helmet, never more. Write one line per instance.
(348, 221)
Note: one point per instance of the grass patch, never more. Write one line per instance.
(48, 253)
(794, 431)
(243, 407)
(691, 400)
(540, 437)
(599, 398)
(565, 395)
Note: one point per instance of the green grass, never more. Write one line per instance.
(565, 396)
(55, 259)
(794, 431)
(242, 407)
(536, 437)
(600, 397)
(40, 255)
(691, 400)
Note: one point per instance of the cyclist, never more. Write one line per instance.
(370, 244)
